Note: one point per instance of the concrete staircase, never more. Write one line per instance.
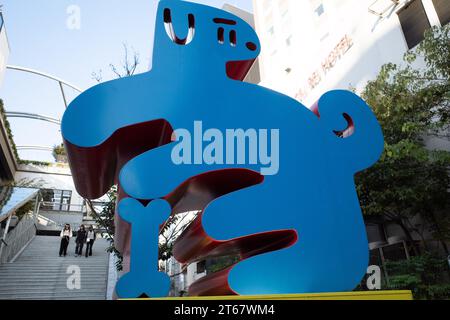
(40, 274)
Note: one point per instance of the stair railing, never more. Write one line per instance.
(18, 238)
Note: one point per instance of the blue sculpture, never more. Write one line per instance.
(143, 277)
(298, 172)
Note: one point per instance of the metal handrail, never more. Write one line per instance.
(48, 76)
(59, 225)
(45, 75)
(16, 239)
(61, 83)
(39, 148)
(77, 208)
(34, 116)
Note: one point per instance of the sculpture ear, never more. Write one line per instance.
(170, 30)
(361, 143)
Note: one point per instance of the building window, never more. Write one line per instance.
(56, 200)
(201, 267)
(283, 6)
(287, 24)
(320, 10)
(414, 22)
(443, 11)
(289, 41)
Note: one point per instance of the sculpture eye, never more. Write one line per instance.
(233, 38)
(171, 31)
(221, 35)
(251, 46)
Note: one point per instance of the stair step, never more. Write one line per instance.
(53, 297)
(4, 294)
(50, 281)
(43, 298)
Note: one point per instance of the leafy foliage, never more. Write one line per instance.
(411, 181)
(59, 153)
(8, 130)
(34, 162)
(221, 263)
(171, 230)
(426, 276)
(411, 104)
(105, 220)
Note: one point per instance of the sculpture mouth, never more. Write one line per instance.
(238, 70)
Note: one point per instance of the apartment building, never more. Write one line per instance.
(312, 46)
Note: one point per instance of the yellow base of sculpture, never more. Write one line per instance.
(355, 295)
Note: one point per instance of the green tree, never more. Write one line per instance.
(8, 130)
(426, 276)
(59, 153)
(410, 180)
(105, 220)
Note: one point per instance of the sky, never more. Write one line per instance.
(43, 36)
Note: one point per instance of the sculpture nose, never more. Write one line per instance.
(251, 46)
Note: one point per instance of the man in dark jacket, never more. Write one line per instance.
(80, 240)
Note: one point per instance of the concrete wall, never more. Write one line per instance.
(59, 218)
(7, 158)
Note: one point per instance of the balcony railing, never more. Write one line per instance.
(59, 206)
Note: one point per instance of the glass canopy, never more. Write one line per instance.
(12, 198)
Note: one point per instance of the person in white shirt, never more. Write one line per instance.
(90, 238)
(66, 234)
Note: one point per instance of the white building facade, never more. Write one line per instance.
(312, 46)
(4, 48)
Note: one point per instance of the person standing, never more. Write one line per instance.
(80, 240)
(66, 234)
(90, 238)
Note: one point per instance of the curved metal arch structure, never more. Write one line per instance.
(49, 76)
(37, 148)
(34, 116)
